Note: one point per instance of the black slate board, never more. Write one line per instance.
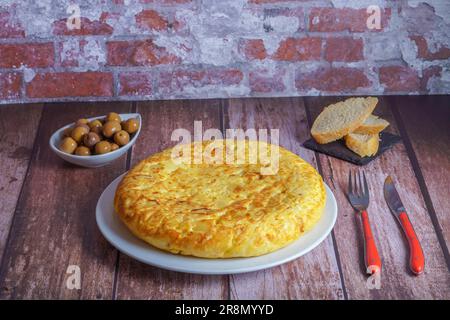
(338, 149)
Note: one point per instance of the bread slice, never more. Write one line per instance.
(339, 119)
(364, 145)
(372, 125)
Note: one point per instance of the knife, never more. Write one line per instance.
(416, 258)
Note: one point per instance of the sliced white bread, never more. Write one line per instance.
(364, 145)
(372, 125)
(339, 119)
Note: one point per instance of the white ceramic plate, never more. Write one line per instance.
(118, 235)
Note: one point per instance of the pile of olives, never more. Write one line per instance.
(98, 136)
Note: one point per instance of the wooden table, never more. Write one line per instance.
(47, 206)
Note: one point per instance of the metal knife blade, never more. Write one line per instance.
(416, 256)
(392, 197)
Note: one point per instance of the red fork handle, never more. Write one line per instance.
(416, 257)
(371, 256)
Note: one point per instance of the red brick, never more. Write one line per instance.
(299, 49)
(399, 78)
(87, 27)
(9, 28)
(77, 53)
(116, 19)
(424, 52)
(343, 19)
(166, 1)
(69, 57)
(252, 49)
(135, 84)
(176, 80)
(332, 79)
(344, 49)
(267, 1)
(151, 19)
(10, 84)
(155, 21)
(297, 13)
(138, 53)
(71, 84)
(38, 55)
(433, 71)
(264, 81)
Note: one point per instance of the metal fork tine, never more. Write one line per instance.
(366, 187)
(358, 190)
(361, 188)
(350, 186)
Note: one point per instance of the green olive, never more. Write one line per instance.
(114, 147)
(95, 124)
(68, 145)
(131, 126)
(112, 116)
(78, 133)
(122, 138)
(81, 121)
(110, 128)
(91, 139)
(98, 130)
(84, 126)
(102, 147)
(83, 151)
(67, 132)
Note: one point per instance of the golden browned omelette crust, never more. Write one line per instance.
(220, 210)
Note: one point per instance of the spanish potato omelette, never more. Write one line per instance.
(220, 210)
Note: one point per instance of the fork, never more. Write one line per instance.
(358, 194)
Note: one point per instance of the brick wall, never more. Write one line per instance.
(163, 49)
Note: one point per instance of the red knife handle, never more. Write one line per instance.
(416, 258)
(371, 256)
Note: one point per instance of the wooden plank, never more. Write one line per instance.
(54, 224)
(136, 280)
(18, 125)
(426, 120)
(396, 281)
(315, 275)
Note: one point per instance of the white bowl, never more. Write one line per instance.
(94, 161)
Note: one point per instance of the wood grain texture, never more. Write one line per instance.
(47, 215)
(315, 275)
(54, 224)
(397, 282)
(427, 123)
(136, 280)
(18, 126)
